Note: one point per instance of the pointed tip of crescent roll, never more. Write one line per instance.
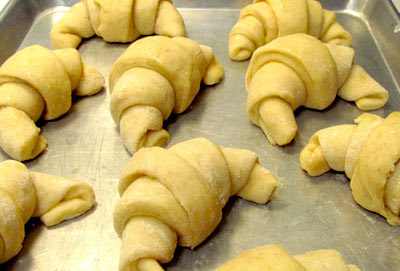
(141, 126)
(240, 47)
(59, 199)
(277, 121)
(214, 73)
(360, 87)
(312, 159)
(260, 187)
(91, 82)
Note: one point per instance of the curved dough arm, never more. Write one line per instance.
(71, 28)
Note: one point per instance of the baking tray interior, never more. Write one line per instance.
(306, 213)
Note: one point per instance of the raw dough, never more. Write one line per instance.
(276, 258)
(25, 194)
(176, 196)
(34, 80)
(299, 70)
(266, 20)
(368, 153)
(155, 76)
(116, 21)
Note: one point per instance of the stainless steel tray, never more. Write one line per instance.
(306, 213)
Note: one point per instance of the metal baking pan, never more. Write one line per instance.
(306, 214)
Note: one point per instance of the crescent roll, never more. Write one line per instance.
(266, 20)
(299, 70)
(116, 21)
(154, 77)
(176, 196)
(25, 194)
(276, 258)
(37, 82)
(368, 153)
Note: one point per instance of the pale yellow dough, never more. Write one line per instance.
(34, 82)
(116, 21)
(176, 196)
(299, 70)
(276, 258)
(266, 20)
(25, 194)
(154, 77)
(368, 153)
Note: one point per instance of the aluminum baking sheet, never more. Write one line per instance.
(306, 213)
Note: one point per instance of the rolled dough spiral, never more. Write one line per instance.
(37, 82)
(266, 20)
(116, 21)
(299, 70)
(368, 153)
(25, 194)
(176, 196)
(154, 77)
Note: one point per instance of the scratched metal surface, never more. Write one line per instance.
(306, 213)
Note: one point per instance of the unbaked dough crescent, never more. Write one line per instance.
(299, 70)
(25, 194)
(368, 153)
(276, 258)
(116, 21)
(37, 82)
(154, 77)
(176, 196)
(266, 20)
